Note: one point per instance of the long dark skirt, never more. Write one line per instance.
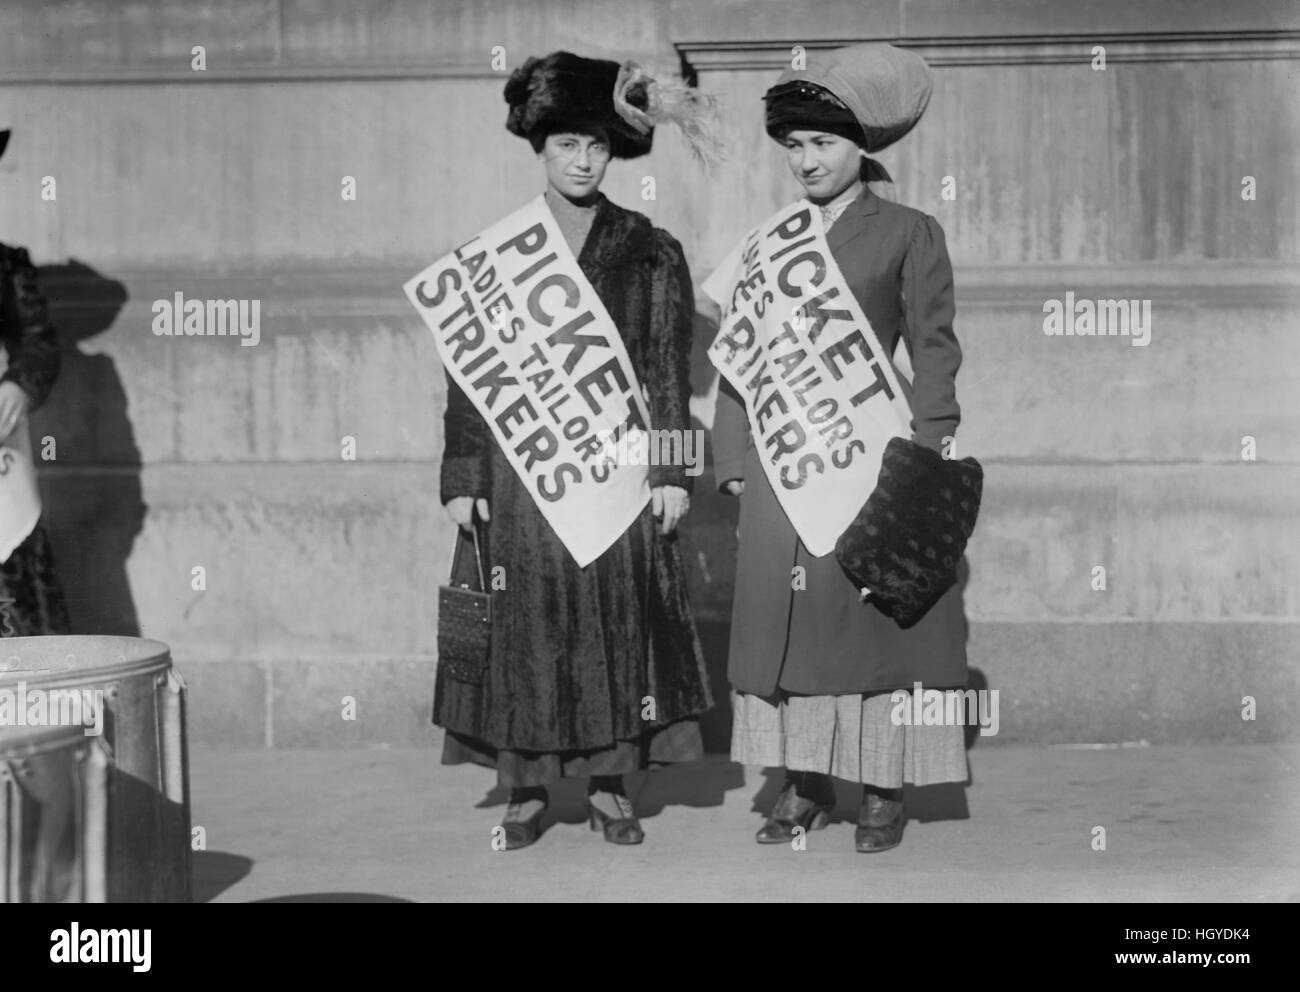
(679, 741)
(576, 656)
(31, 598)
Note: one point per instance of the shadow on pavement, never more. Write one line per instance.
(699, 784)
(705, 783)
(334, 897)
(945, 801)
(212, 872)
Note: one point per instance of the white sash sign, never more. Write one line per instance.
(822, 397)
(521, 330)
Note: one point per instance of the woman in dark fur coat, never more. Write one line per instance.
(596, 671)
(31, 599)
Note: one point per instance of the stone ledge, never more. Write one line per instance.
(1032, 49)
(375, 290)
(1058, 683)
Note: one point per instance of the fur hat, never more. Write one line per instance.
(907, 540)
(563, 91)
(885, 89)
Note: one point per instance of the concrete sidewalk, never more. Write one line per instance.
(1214, 823)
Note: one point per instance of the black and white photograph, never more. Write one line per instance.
(650, 451)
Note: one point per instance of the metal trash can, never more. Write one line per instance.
(140, 702)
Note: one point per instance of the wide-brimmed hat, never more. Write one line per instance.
(563, 91)
(907, 540)
(873, 93)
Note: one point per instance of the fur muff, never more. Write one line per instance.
(563, 91)
(906, 541)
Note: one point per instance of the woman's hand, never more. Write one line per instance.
(735, 487)
(462, 510)
(670, 503)
(13, 404)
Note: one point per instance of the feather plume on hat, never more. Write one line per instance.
(669, 101)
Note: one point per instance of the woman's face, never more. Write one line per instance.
(825, 164)
(575, 162)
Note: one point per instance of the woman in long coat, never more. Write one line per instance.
(593, 671)
(31, 598)
(814, 668)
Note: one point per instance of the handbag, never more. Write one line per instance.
(464, 617)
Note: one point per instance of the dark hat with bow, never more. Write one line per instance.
(872, 94)
(566, 92)
(906, 541)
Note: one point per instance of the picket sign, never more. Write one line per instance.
(522, 332)
(822, 398)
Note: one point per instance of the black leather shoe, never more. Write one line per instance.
(792, 810)
(880, 824)
(521, 833)
(623, 830)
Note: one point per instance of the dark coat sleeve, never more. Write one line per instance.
(936, 356)
(467, 451)
(730, 436)
(29, 337)
(668, 359)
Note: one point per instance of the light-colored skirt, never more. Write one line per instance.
(852, 737)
